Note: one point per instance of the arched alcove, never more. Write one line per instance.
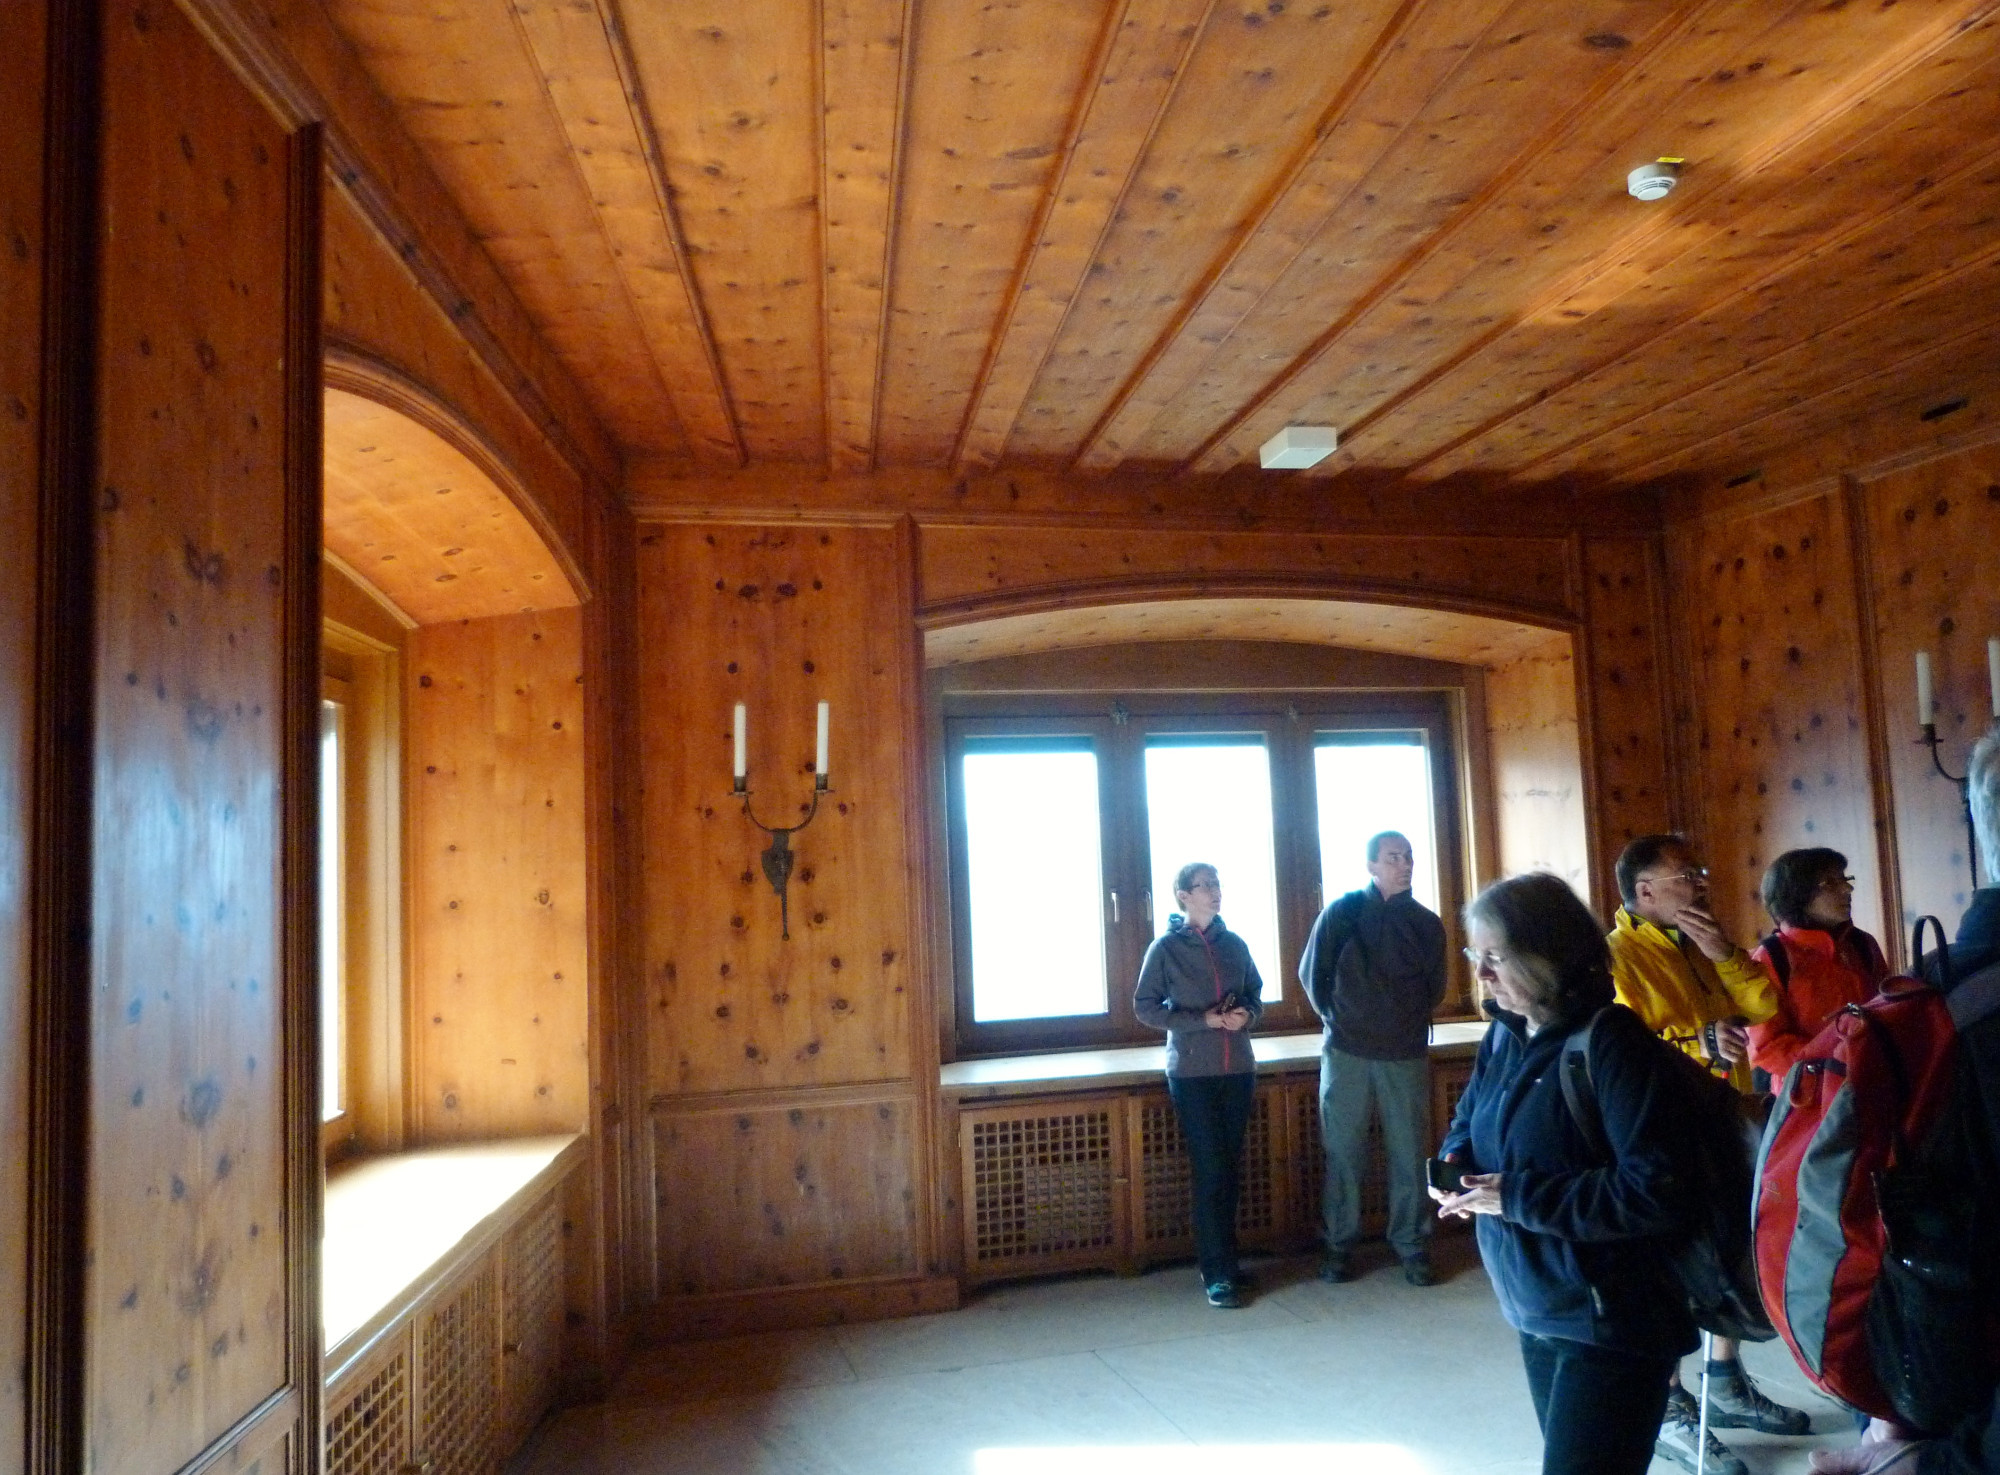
(1523, 747)
(460, 619)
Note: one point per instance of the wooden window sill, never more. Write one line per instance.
(399, 1224)
(1096, 1070)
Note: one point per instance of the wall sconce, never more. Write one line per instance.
(1927, 721)
(778, 855)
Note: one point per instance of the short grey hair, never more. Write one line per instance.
(1982, 776)
(1376, 842)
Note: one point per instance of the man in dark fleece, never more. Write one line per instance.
(1974, 1445)
(1374, 969)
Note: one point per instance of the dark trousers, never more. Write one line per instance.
(1214, 1112)
(1599, 1409)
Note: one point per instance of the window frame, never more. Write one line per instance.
(373, 994)
(1119, 723)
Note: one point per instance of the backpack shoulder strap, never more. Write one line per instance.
(1781, 961)
(1579, 1091)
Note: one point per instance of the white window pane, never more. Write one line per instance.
(1034, 865)
(1365, 788)
(1211, 802)
(332, 903)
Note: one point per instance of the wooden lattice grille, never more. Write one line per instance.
(459, 1363)
(367, 1431)
(1040, 1186)
(1310, 1162)
(531, 1304)
(1166, 1184)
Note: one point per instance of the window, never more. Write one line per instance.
(1068, 817)
(360, 885)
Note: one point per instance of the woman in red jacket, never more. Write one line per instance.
(1819, 958)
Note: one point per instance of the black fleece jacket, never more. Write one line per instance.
(1374, 970)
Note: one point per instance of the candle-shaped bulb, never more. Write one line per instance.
(1993, 671)
(819, 762)
(1926, 701)
(742, 767)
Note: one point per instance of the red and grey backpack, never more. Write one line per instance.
(1862, 1224)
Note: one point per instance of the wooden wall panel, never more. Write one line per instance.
(1768, 607)
(199, 1295)
(1626, 677)
(498, 902)
(1933, 540)
(967, 565)
(773, 1196)
(777, 618)
(1532, 738)
(23, 95)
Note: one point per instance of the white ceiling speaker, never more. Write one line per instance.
(1654, 181)
(1298, 446)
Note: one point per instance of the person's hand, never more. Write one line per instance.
(1479, 1194)
(1885, 1449)
(1733, 1040)
(1237, 1018)
(1213, 1019)
(1699, 923)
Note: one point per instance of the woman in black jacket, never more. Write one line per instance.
(1573, 1243)
(1200, 986)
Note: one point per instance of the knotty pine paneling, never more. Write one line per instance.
(1933, 548)
(776, 1196)
(207, 445)
(1626, 676)
(1531, 726)
(965, 565)
(498, 907)
(23, 91)
(1767, 606)
(378, 318)
(777, 618)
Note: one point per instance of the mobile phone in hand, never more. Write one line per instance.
(1443, 1176)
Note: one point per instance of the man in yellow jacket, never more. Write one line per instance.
(1677, 969)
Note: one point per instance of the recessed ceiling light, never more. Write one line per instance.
(1297, 447)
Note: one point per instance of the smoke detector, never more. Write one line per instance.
(1654, 181)
(1298, 446)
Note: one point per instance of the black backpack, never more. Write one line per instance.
(1715, 1259)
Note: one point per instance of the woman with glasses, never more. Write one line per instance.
(1572, 1243)
(1819, 958)
(1199, 984)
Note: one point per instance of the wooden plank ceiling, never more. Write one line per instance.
(1147, 234)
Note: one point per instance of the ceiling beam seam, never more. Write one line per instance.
(1629, 75)
(611, 17)
(1761, 159)
(963, 455)
(1378, 54)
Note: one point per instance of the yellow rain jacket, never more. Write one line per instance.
(1677, 990)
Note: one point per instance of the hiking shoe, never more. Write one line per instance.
(1334, 1269)
(1223, 1294)
(1680, 1439)
(1734, 1402)
(1417, 1271)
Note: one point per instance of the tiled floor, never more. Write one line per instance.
(1100, 1376)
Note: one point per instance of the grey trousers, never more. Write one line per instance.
(1350, 1091)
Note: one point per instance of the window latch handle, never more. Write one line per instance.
(1114, 908)
(1149, 906)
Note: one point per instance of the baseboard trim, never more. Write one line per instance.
(789, 1308)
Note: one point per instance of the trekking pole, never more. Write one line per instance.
(1701, 1437)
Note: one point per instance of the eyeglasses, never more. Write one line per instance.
(1837, 883)
(1215, 886)
(1692, 873)
(1490, 961)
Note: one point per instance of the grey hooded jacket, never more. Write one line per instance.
(1187, 973)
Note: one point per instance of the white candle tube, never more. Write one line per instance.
(819, 763)
(1926, 702)
(742, 741)
(1993, 671)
